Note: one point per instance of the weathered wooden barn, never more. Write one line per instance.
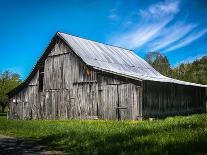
(76, 78)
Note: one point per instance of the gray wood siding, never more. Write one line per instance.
(71, 90)
(163, 99)
(26, 105)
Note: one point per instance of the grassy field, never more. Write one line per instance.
(174, 135)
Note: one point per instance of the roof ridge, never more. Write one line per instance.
(96, 41)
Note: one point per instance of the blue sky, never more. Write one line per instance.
(176, 28)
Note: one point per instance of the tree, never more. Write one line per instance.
(180, 71)
(159, 62)
(193, 72)
(8, 81)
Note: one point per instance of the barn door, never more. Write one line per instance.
(129, 102)
(85, 95)
(125, 100)
(57, 104)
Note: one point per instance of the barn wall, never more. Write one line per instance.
(163, 99)
(71, 90)
(25, 104)
(119, 99)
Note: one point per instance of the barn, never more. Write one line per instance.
(76, 78)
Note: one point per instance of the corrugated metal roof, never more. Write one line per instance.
(116, 60)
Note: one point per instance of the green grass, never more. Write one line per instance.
(174, 135)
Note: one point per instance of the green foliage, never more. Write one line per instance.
(192, 72)
(8, 81)
(159, 62)
(183, 135)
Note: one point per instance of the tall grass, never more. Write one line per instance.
(174, 135)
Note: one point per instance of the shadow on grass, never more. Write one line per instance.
(122, 143)
(13, 146)
(3, 114)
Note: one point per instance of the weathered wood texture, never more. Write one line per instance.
(71, 90)
(163, 99)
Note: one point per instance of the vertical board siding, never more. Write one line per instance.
(163, 99)
(26, 105)
(85, 100)
(118, 100)
(72, 90)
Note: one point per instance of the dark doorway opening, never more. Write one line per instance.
(41, 78)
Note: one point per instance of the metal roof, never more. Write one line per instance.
(116, 60)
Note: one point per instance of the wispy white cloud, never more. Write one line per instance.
(161, 9)
(139, 36)
(113, 15)
(187, 40)
(171, 35)
(152, 21)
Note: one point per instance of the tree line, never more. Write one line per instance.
(195, 71)
(8, 81)
(192, 72)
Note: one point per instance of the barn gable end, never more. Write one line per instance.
(71, 89)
